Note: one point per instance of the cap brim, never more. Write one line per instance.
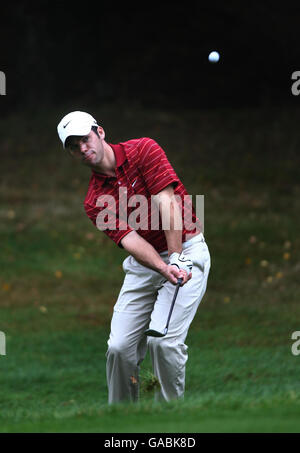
(76, 130)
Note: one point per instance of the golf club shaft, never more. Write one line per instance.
(179, 282)
(155, 333)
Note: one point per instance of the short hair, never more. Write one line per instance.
(95, 129)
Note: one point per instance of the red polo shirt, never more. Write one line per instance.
(142, 168)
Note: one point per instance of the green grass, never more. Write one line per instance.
(60, 278)
(55, 382)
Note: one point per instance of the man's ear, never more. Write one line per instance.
(101, 132)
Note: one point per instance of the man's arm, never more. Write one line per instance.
(171, 216)
(146, 255)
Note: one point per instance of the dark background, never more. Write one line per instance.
(150, 53)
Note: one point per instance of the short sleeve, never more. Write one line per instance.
(113, 227)
(155, 167)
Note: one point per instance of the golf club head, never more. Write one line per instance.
(154, 333)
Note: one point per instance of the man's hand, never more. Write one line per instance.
(145, 254)
(172, 274)
(183, 264)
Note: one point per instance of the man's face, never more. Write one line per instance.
(87, 149)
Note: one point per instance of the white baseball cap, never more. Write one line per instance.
(75, 123)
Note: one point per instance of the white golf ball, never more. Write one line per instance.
(214, 56)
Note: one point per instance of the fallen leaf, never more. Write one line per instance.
(77, 256)
(133, 380)
(6, 287)
(11, 214)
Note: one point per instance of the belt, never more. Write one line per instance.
(198, 238)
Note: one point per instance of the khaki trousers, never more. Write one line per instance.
(144, 301)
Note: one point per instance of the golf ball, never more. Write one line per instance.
(214, 56)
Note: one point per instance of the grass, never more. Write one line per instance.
(60, 278)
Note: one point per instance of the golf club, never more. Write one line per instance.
(156, 333)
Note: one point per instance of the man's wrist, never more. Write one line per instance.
(174, 254)
(162, 267)
(174, 250)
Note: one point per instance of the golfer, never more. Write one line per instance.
(136, 198)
